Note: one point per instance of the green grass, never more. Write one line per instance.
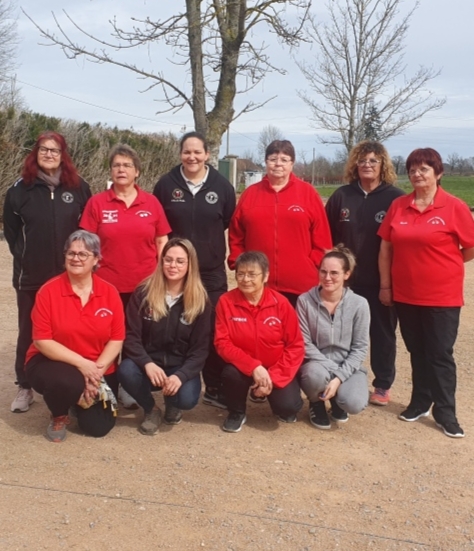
(460, 186)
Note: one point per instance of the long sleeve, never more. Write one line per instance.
(312, 352)
(236, 235)
(198, 347)
(225, 347)
(321, 239)
(284, 370)
(133, 346)
(11, 221)
(359, 343)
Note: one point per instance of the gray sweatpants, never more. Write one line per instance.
(352, 396)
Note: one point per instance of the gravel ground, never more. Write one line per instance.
(373, 483)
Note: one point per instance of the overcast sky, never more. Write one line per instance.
(440, 36)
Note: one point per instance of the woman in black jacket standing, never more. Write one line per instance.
(41, 210)
(355, 212)
(199, 203)
(168, 337)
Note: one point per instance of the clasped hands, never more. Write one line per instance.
(169, 385)
(263, 384)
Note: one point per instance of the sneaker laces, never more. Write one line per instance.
(59, 422)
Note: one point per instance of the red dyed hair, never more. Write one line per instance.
(69, 174)
(428, 157)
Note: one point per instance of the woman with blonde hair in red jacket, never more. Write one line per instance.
(258, 336)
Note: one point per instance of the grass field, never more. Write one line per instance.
(460, 186)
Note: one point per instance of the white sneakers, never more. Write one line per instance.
(23, 400)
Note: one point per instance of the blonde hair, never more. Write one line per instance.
(194, 294)
(387, 170)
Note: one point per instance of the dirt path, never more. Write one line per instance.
(375, 483)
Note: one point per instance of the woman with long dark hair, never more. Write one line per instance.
(41, 210)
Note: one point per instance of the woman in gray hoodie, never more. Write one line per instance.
(335, 326)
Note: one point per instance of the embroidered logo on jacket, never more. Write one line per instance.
(296, 208)
(380, 216)
(177, 196)
(436, 220)
(212, 197)
(67, 197)
(243, 320)
(109, 216)
(344, 215)
(272, 320)
(103, 313)
(183, 320)
(143, 213)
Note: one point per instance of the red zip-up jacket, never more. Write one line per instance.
(267, 334)
(289, 226)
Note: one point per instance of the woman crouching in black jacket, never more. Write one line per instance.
(168, 334)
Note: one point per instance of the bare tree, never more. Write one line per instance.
(8, 45)
(213, 40)
(267, 135)
(359, 63)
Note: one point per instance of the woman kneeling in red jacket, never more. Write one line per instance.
(258, 336)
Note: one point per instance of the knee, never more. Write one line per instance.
(313, 379)
(352, 403)
(188, 395)
(128, 371)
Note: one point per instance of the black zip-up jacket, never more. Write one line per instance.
(36, 224)
(170, 342)
(354, 218)
(201, 218)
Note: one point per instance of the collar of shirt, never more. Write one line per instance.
(171, 301)
(194, 188)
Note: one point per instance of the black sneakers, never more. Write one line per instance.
(337, 413)
(451, 429)
(318, 416)
(212, 397)
(173, 415)
(234, 422)
(413, 413)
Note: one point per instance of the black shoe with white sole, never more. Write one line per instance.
(413, 413)
(451, 429)
(318, 416)
(234, 422)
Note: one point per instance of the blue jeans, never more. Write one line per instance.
(136, 382)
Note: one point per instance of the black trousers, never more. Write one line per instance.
(284, 401)
(212, 371)
(25, 301)
(429, 334)
(383, 342)
(61, 385)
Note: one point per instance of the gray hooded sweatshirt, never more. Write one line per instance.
(338, 343)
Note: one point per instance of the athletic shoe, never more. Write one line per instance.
(451, 429)
(151, 422)
(23, 400)
(126, 400)
(380, 397)
(256, 399)
(56, 431)
(318, 416)
(337, 413)
(234, 422)
(173, 415)
(413, 413)
(213, 398)
(289, 419)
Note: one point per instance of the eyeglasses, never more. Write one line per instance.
(333, 274)
(180, 262)
(81, 255)
(280, 160)
(117, 166)
(371, 162)
(422, 170)
(251, 276)
(55, 152)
